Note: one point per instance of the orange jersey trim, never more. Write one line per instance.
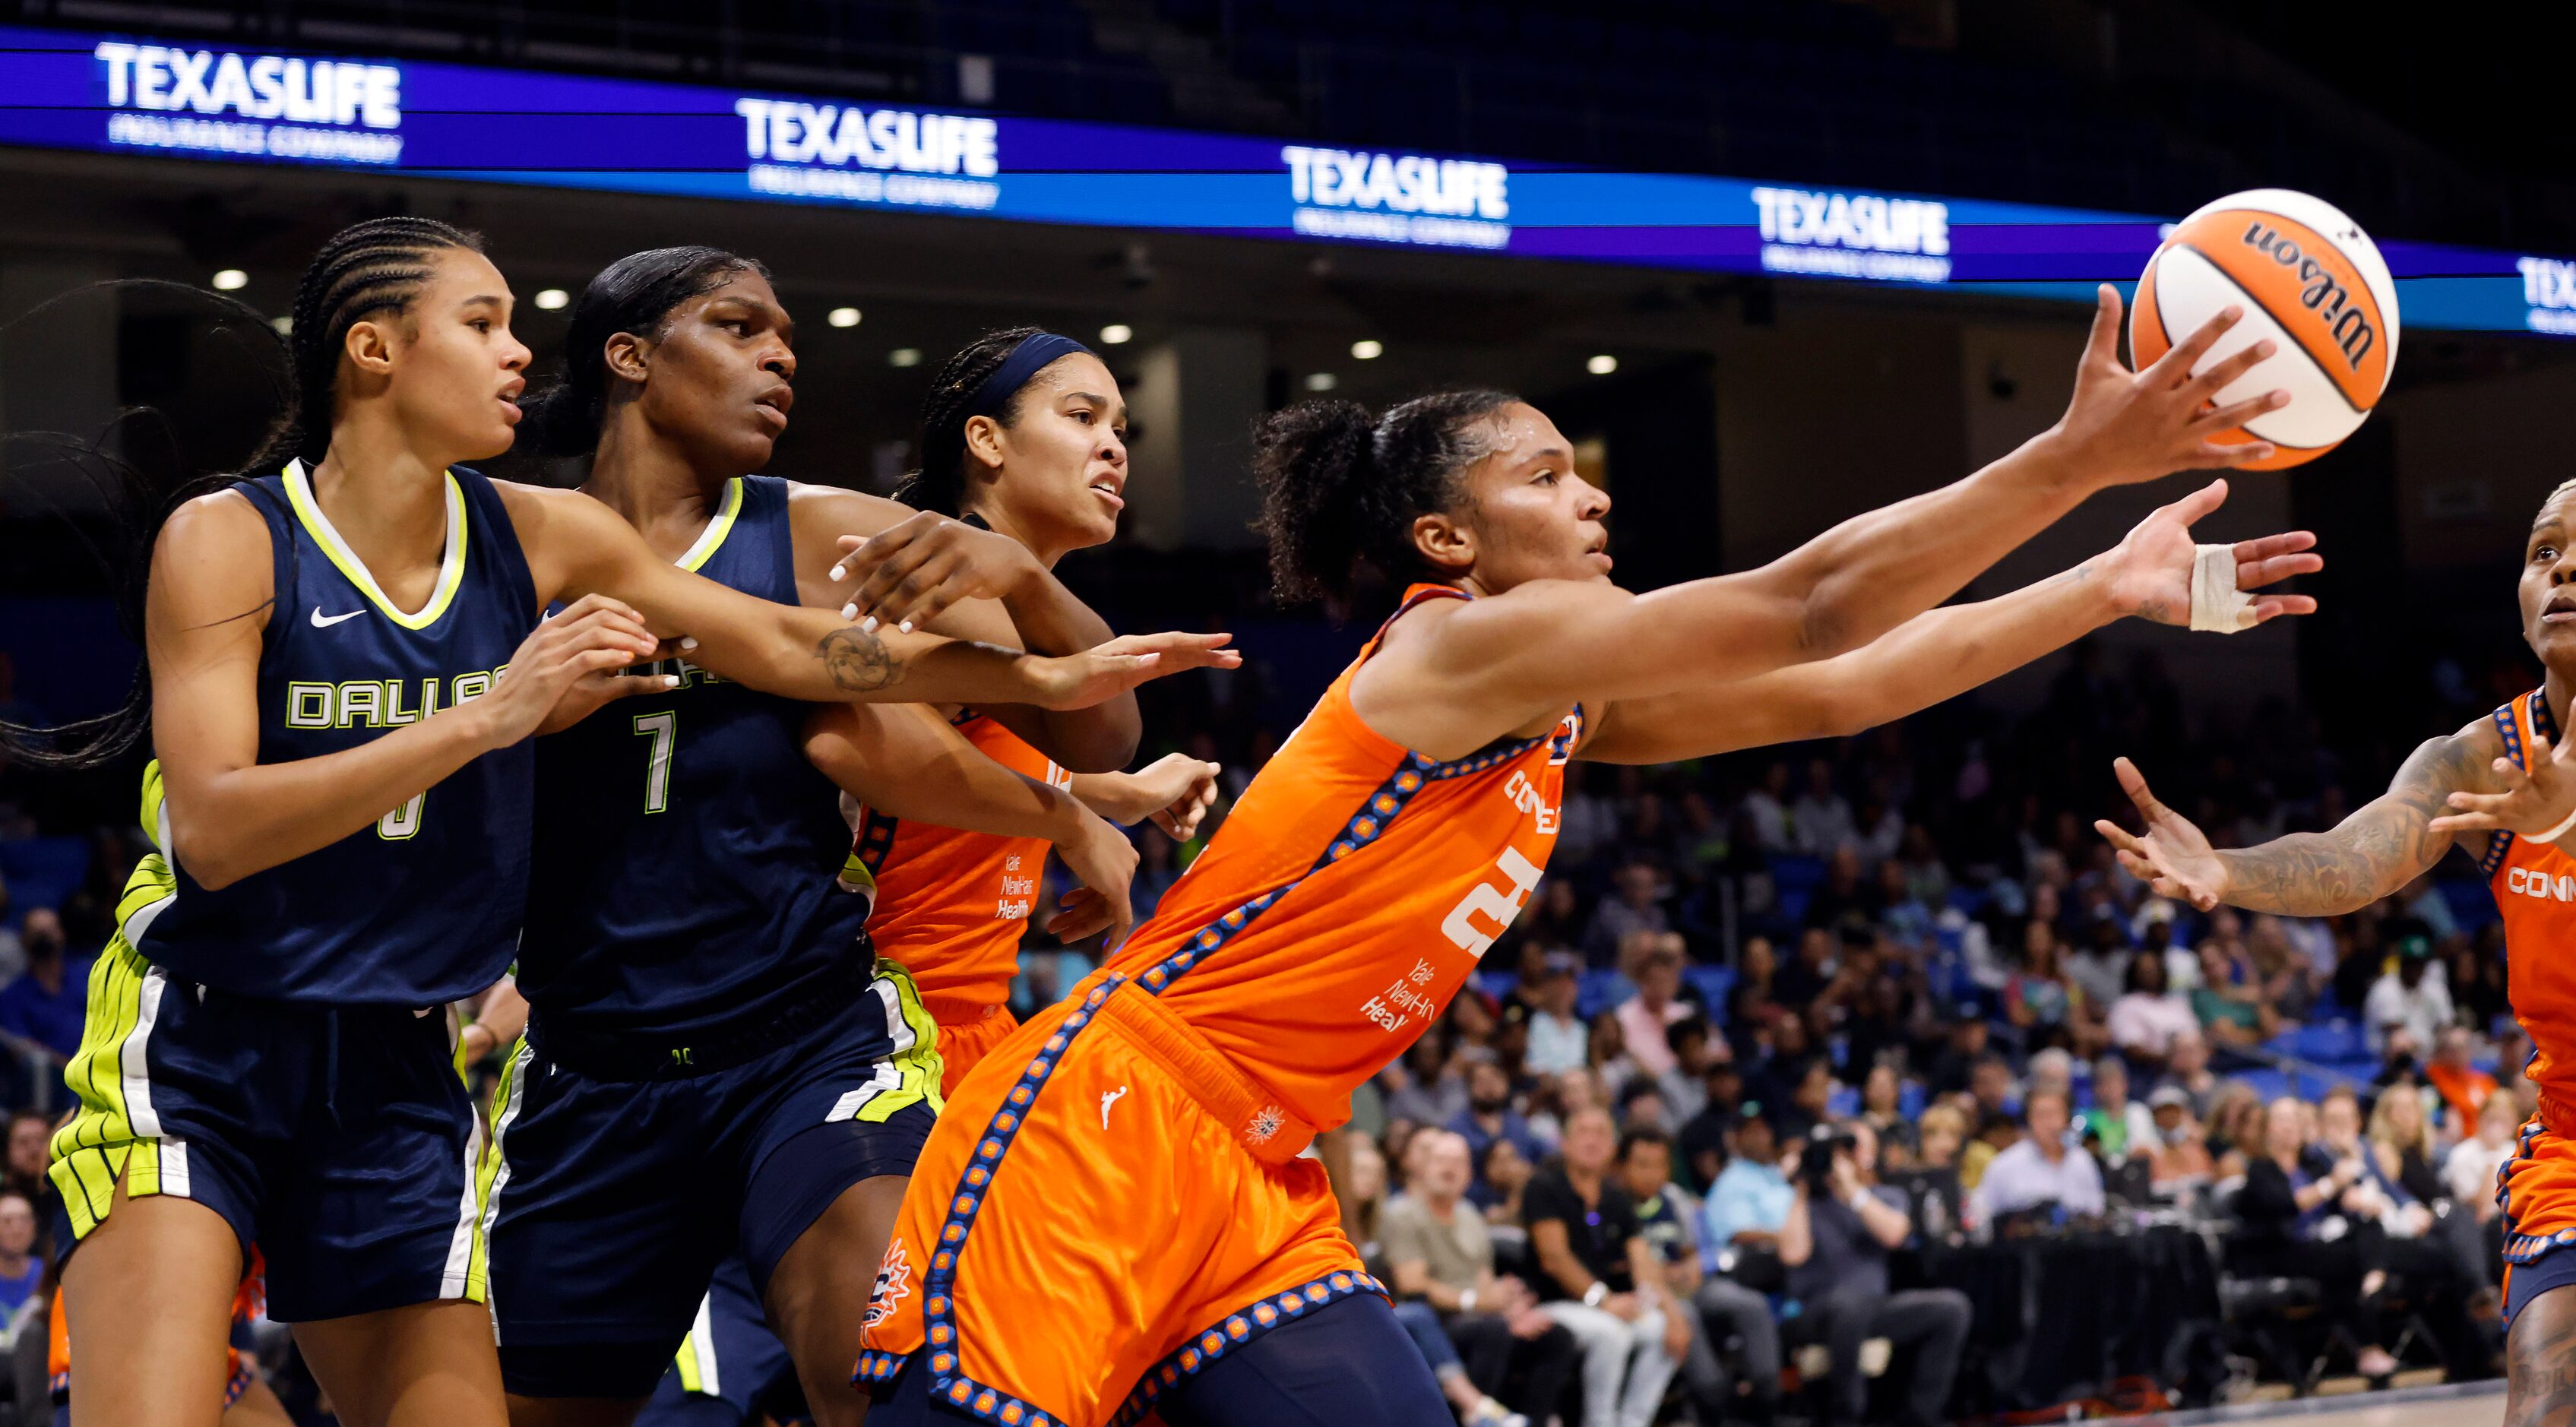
(2535, 892)
(952, 906)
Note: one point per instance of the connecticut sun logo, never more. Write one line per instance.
(894, 1284)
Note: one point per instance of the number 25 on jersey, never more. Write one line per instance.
(1500, 905)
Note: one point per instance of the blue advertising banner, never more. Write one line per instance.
(118, 94)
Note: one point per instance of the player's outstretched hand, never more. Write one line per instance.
(2123, 427)
(1104, 671)
(593, 635)
(2151, 567)
(2172, 856)
(2535, 804)
(913, 570)
(1104, 861)
(592, 692)
(1174, 790)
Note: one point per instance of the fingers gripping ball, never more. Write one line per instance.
(2310, 280)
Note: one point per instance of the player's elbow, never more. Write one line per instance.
(212, 861)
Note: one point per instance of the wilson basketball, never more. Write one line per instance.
(2309, 279)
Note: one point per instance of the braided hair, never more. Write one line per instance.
(1340, 488)
(365, 269)
(940, 484)
(371, 268)
(635, 294)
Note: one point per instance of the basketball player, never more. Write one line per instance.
(348, 660)
(2500, 790)
(1023, 434)
(714, 1056)
(1111, 1217)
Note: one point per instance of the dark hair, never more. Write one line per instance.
(1643, 1135)
(940, 482)
(637, 294)
(368, 268)
(1340, 489)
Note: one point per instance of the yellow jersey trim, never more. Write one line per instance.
(299, 494)
(717, 529)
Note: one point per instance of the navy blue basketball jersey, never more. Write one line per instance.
(423, 906)
(685, 873)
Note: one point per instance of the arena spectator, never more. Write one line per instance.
(2401, 1140)
(1943, 1133)
(1475, 1327)
(1489, 1115)
(1555, 916)
(1425, 1085)
(1653, 960)
(1750, 1201)
(1667, 1218)
(1635, 907)
(1600, 1281)
(2277, 1214)
(1835, 1241)
(2469, 1170)
(1951, 1070)
(2038, 1001)
(2042, 1171)
(2121, 1125)
(1506, 1175)
(22, 1269)
(1843, 900)
(2463, 1087)
(1882, 1108)
(13, 953)
(1768, 806)
(44, 1010)
(2179, 1155)
(2145, 1020)
(2097, 966)
(2411, 996)
(1991, 1089)
(1702, 1141)
(1558, 1039)
(1809, 971)
(2187, 1069)
(1821, 820)
(2229, 1000)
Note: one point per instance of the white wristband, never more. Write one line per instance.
(1592, 1296)
(2217, 606)
(1466, 1300)
(2555, 833)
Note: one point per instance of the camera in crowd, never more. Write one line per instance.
(1816, 1160)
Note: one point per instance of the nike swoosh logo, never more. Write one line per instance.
(322, 621)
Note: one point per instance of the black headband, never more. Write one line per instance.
(1026, 360)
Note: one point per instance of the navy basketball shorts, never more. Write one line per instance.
(727, 1365)
(608, 1202)
(337, 1139)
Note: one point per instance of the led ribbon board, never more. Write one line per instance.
(182, 99)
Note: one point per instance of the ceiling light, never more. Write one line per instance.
(1602, 366)
(842, 317)
(1117, 334)
(553, 299)
(1321, 381)
(904, 357)
(1368, 349)
(231, 280)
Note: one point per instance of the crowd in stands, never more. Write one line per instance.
(1771, 1022)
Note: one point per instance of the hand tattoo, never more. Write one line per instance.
(859, 661)
(2369, 855)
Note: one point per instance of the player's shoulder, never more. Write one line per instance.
(850, 512)
(220, 521)
(1510, 619)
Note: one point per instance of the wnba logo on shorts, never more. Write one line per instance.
(2532, 882)
(894, 1283)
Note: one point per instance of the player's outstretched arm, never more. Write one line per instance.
(2385, 844)
(2539, 804)
(1547, 643)
(904, 760)
(883, 564)
(232, 815)
(576, 546)
(1946, 652)
(1174, 790)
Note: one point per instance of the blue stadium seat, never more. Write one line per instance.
(1843, 1103)
(1713, 983)
(42, 871)
(2330, 1040)
(2472, 904)
(1596, 991)
(1909, 1099)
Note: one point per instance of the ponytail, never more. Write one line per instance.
(1340, 489)
(370, 268)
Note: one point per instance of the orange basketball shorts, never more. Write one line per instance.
(2537, 1190)
(968, 1037)
(1106, 1205)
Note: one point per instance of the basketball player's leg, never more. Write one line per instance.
(149, 1300)
(423, 1365)
(818, 1294)
(2540, 1348)
(1347, 1364)
(257, 1407)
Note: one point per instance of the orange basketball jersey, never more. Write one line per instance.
(2535, 889)
(1349, 895)
(951, 905)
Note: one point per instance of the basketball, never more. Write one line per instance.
(2310, 280)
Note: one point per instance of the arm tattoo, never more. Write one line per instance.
(2370, 854)
(2540, 1373)
(859, 661)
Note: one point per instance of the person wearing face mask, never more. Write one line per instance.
(42, 1012)
(2179, 1152)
